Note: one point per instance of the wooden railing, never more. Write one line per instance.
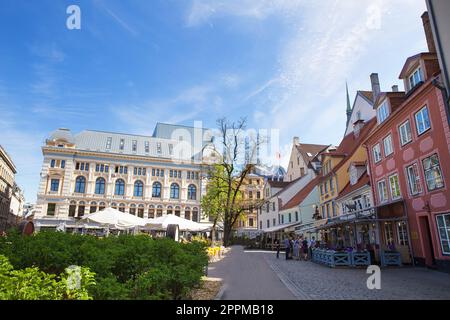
(333, 258)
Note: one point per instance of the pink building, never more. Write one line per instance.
(409, 157)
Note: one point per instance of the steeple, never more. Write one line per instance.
(349, 108)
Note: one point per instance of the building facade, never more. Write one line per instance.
(147, 176)
(408, 153)
(7, 178)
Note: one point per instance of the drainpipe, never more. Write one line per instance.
(405, 209)
(445, 97)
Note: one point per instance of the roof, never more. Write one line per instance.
(174, 131)
(61, 134)
(301, 195)
(7, 159)
(366, 94)
(363, 181)
(309, 151)
(278, 184)
(411, 60)
(351, 143)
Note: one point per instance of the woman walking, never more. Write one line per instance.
(305, 249)
(296, 249)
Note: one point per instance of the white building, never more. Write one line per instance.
(145, 176)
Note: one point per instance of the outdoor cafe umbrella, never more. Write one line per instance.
(162, 222)
(115, 219)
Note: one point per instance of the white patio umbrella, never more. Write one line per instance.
(162, 222)
(115, 218)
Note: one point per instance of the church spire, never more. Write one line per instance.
(349, 108)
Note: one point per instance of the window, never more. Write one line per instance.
(134, 146)
(422, 121)
(133, 209)
(158, 147)
(151, 212)
(187, 214)
(63, 164)
(51, 208)
(120, 187)
(412, 172)
(82, 166)
(258, 194)
(443, 224)
(282, 219)
(108, 143)
(156, 190)
(141, 211)
(93, 207)
(52, 163)
(433, 173)
(415, 78)
(174, 191)
(405, 133)
(195, 215)
(388, 148)
(377, 153)
(382, 191)
(402, 233)
(81, 209)
(138, 189)
(296, 215)
(122, 144)
(170, 149)
(328, 210)
(80, 184)
(331, 184)
(388, 233)
(290, 217)
(395, 187)
(54, 185)
(382, 112)
(147, 147)
(250, 222)
(72, 210)
(260, 225)
(273, 206)
(192, 192)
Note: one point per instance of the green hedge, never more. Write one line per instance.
(126, 267)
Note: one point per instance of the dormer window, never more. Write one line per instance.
(134, 146)
(122, 144)
(382, 112)
(415, 78)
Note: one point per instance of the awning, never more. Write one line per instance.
(281, 227)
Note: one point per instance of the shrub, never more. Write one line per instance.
(126, 266)
(33, 284)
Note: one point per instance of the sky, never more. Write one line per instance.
(282, 64)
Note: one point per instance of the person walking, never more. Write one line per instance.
(296, 249)
(305, 249)
(277, 246)
(312, 245)
(287, 247)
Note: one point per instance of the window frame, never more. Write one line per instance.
(430, 169)
(119, 188)
(423, 119)
(417, 179)
(374, 154)
(399, 196)
(403, 125)
(388, 137)
(52, 184)
(156, 189)
(384, 106)
(447, 230)
(383, 181)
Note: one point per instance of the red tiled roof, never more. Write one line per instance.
(363, 180)
(301, 195)
(351, 143)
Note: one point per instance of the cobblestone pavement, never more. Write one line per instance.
(308, 280)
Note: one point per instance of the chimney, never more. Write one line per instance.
(428, 32)
(296, 141)
(375, 86)
(395, 88)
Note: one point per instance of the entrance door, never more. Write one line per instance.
(427, 242)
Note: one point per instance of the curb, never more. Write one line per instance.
(221, 292)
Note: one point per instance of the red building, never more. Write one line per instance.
(409, 157)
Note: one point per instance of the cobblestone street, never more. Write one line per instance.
(307, 280)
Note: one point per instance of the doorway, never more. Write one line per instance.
(430, 260)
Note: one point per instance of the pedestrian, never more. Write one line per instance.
(305, 249)
(277, 246)
(287, 247)
(296, 249)
(312, 245)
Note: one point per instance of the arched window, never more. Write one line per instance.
(100, 186)
(114, 205)
(159, 211)
(93, 207)
(177, 211)
(122, 207)
(195, 215)
(151, 212)
(174, 191)
(80, 184)
(72, 208)
(102, 206)
(169, 210)
(141, 211)
(138, 188)
(156, 190)
(81, 208)
(187, 213)
(192, 192)
(120, 187)
(133, 209)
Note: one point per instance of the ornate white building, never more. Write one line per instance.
(147, 176)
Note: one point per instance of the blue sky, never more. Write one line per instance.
(283, 64)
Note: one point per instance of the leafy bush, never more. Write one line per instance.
(33, 284)
(126, 266)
